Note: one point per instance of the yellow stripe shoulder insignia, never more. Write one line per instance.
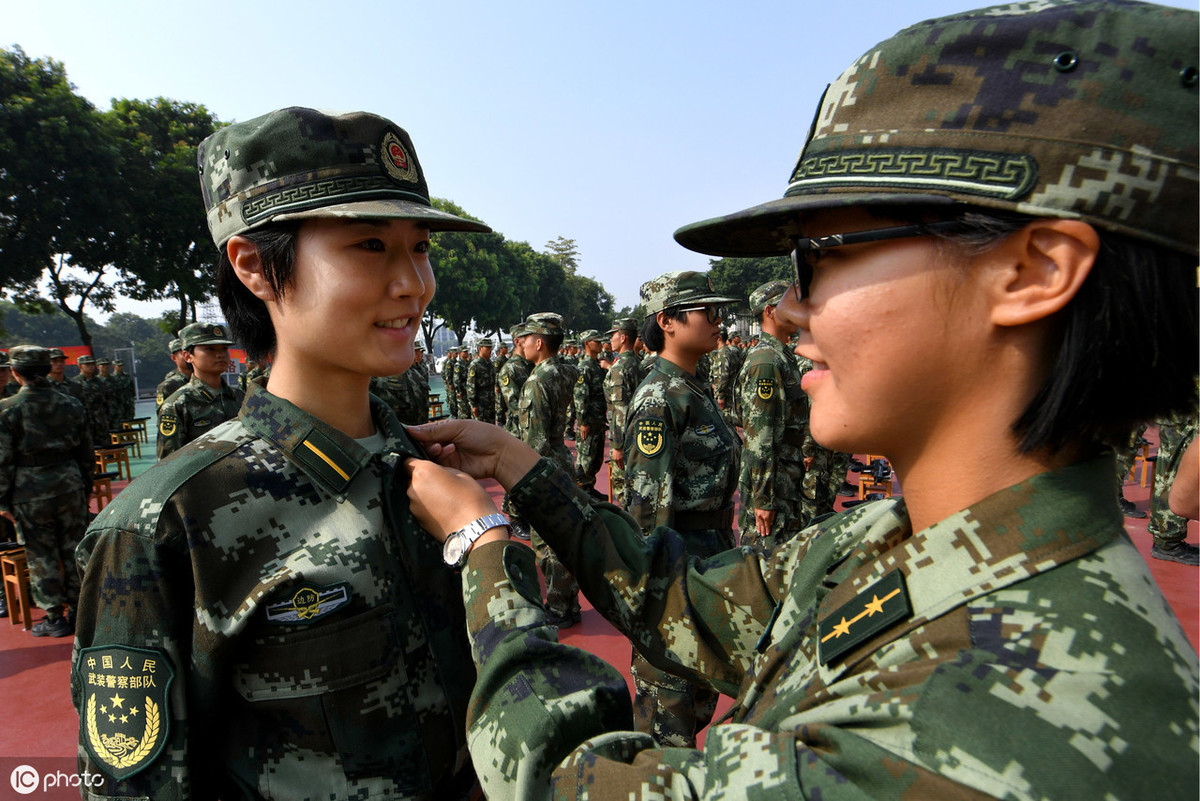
(877, 608)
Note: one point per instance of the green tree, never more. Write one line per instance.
(169, 253)
(464, 265)
(738, 277)
(565, 252)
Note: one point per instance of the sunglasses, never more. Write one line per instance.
(712, 312)
(806, 252)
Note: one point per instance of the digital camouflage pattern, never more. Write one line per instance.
(681, 470)
(1166, 527)
(448, 377)
(481, 389)
(46, 465)
(619, 387)
(775, 423)
(501, 408)
(297, 163)
(192, 410)
(510, 379)
(315, 633)
(822, 478)
(405, 395)
(1036, 659)
(542, 419)
(172, 381)
(126, 398)
(95, 402)
(461, 368)
(590, 411)
(679, 288)
(1074, 108)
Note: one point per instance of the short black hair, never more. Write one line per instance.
(32, 371)
(246, 314)
(652, 335)
(553, 341)
(1124, 350)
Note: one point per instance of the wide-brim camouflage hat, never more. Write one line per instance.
(299, 163)
(204, 334)
(1081, 109)
(680, 288)
(485, 343)
(29, 356)
(548, 323)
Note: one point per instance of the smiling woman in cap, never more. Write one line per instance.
(1000, 200)
(301, 637)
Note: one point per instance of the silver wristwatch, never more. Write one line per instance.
(458, 543)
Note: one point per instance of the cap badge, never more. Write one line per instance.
(396, 160)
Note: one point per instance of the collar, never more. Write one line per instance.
(327, 456)
(673, 370)
(1028, 528)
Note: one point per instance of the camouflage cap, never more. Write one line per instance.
(29, 356)
(544, 323)
(627, 324)
(57, 353)
(592, 335)
(86, 359)
(419, 346)
(518, 330)
(118, 363)
(175, 345)
(297, 163)
(486, 342)
(204, 334)
(102, 361)
(571, 343)
(768, 294)
(1063, 108)
(680, 288)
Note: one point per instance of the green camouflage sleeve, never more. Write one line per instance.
(763, 406)
(650, 444)
(173, 423)
(7, 462)
(534, 398)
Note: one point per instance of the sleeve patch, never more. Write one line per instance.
(649, 435)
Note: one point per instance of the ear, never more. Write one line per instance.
(1039, 269)
(243, 255)
(667, 324)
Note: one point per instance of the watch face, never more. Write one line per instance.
(453, 550)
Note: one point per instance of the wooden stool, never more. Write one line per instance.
(137, 424)
(1147, 462)
(102, 488)
(435, 409)
(117, 456)
(127, 438)
(16, 587)
(869, 482)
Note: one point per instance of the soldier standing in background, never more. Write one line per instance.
(590, 414)
(481, 384)
(174, 379)
(681, 471)
(542, 418)
(104, 376)
(8, 384)
(204, 402)
(418, 381)
(94, 401)
(498, 365)
(46, 465)
(775, 422)
(449, 365)
(619, 387)
(462, 366)
(570, 359)
(58, 376)
(510, 379)
(125, 391)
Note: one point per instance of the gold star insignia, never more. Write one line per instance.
(117, 700)
(104, 710)
(841, 628)
(112, 718)
(133, 711)
(124, 718)
(874, 607)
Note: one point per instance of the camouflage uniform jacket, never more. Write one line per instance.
(681, 460)
(315, 633)
(619, 387)
(542, 409)
(69, 388)
(171, 382)
(125, 391)
(95, 401)
(775, 420)
(1029, 654)
(481, 388)
(45, 447)
(461, 368)
(11, 388)
(194, 409)
(589, 395)
(511, 379)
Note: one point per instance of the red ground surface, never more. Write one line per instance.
(40, 723)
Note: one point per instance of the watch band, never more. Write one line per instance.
(467, 535)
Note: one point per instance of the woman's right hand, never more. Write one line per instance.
(481, 450)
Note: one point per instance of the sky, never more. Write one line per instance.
(612, 124)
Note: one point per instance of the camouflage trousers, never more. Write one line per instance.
(818, 489)
(789, 509)
(50, 529)
(451, 403)
(1165, 526)
(463, 407)
(487, 413)
(589, 455)
(1125, 457)
(671, 709)
(562, 591)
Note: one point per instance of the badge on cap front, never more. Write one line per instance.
(396, 160)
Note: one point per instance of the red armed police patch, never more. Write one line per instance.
(125, 714)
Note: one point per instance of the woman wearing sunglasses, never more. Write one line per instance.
(994, 218)
(681, 471)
